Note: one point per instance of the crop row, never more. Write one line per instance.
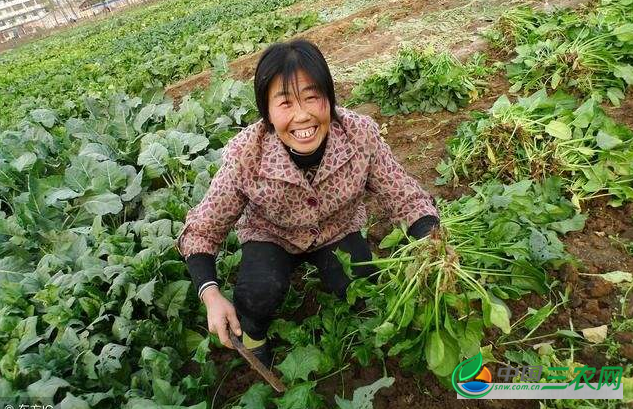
(145, 48)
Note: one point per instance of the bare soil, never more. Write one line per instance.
(342, 45)
(178, 90)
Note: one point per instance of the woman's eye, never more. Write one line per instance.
(311, 98)
(285, 104)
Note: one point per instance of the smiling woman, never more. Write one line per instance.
(296, 181)
(301, 119)
(295, 94)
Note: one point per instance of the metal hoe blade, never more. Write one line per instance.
(257, 364)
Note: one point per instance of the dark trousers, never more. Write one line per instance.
(263, 278)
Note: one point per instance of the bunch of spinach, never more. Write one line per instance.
(590, 53)
(543, 135)
(424, 81)
(435, 295)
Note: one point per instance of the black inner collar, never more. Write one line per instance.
(307, 161)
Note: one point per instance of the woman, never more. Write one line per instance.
(296, 181)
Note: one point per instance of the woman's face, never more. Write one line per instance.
(302, 122)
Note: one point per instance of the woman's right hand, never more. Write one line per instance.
(220, 315)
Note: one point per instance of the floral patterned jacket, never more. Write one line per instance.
(261, 191)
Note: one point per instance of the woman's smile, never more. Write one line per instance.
(305, 135)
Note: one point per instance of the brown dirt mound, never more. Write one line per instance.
(178, 90)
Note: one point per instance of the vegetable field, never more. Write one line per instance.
(517, 116)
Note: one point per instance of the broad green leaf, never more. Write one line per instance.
(192, 339)
(57, 194)
(44, 116)
(625, 72)
(392, 239)
(584, 114)
(470, 340)
(121, 328)
(516, 87)
(558, 130)
(402, 346)
(105, 203)
(195, 142)
(111, 177)
(154, 159)
(624, 32)
(173, 298)
(145, 292)
(166, 394)
(144, 114)
(300, 363)
(97, 152)
(27, 333)
(200, 185)
(202, 350)
(606, 141)
(450, 356)
(486, 353)
(24, 162)
(576, 223)
(110, 358)
(434, 349)
(73, 402)
(345, 259)
(156, 363)
(363, 397)
(256, 397)
(615, 95)
(384, 333)
(89, 360)
(499, 314)
(46, 387)
(301, 396)
(90, 306)
(134, 188)
(540, 248)
(555, 81)
(79, 175)
(174, 141)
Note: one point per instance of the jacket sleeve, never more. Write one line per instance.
(401, 194)
(208, 223)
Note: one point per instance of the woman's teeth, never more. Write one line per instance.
(304, 133)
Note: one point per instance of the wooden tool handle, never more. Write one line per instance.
(257, 364)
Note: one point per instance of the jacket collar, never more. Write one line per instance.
(338, 151)
(277, 164)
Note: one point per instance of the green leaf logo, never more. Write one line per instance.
(466, 370)
(469, 367)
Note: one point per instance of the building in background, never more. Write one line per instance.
(16, 14)
(27, 18)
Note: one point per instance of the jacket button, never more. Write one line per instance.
(312, 201)
(314, 231)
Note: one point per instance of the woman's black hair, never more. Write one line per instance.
(286, 59)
